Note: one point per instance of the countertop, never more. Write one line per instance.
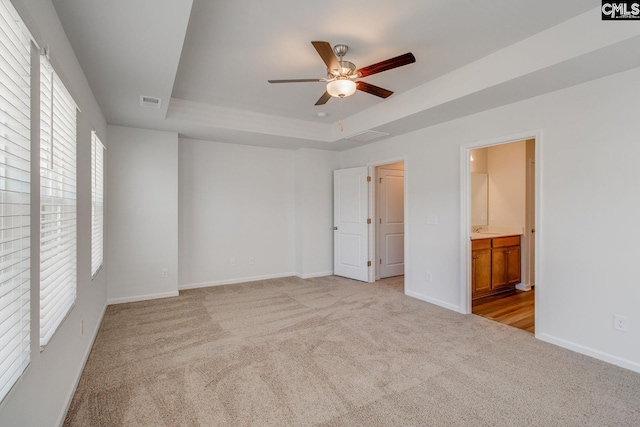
(492, 235)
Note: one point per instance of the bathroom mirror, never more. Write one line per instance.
(479, 198)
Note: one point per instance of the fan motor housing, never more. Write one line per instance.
(346, 69)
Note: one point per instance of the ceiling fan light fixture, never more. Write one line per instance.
(341, 88)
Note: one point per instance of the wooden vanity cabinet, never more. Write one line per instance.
(495, 265)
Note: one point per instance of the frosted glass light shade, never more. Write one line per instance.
(341, 88)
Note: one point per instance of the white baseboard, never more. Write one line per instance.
(85, 357)
(312, 275)
(233, 281)
(141, 298)
(597, 354)
(435, 301)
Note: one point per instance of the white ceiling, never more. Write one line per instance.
(210, 60)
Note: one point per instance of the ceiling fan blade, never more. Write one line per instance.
(326, 53)
(296, 81)
(389, 64)
(324, 98)
(373, 90)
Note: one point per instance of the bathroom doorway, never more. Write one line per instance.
(502, 232)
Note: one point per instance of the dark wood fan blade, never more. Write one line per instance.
(295, 81)
(389, 64)
(373, 90)
(326, 53)
(324, 98)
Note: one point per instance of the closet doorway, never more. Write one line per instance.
(389, 220)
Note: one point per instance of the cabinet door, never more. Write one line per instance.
(505, 266)
(480, 271)
(499, 268)
(513, 265)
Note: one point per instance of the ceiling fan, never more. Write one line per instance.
(341, 75)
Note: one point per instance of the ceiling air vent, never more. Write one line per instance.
(150, 102)
(366, 136)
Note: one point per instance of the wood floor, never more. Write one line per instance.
(514, 308)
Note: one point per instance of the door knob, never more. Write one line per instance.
(335, 228)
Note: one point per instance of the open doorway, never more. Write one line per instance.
(389, 220)
(502, 227)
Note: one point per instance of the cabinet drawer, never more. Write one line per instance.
(480, 244)
(500, 242)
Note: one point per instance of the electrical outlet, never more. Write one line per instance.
(232, 261)
(429, 277)
(252, 261)
(620, 323)
(164, 273)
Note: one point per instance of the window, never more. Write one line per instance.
(97, 203)
(58, 247)
(15, 196)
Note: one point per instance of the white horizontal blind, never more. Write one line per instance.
(58, 246)
(15, 189)
(97, 203)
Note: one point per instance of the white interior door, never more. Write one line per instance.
(350, 213)
(390, 209)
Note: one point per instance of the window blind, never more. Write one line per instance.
(58, 247)
(97, 203)
(15, 188)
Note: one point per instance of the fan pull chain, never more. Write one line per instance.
(340, 117)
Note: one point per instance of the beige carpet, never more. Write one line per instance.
(335, 352)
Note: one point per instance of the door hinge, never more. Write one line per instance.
(380, 261)
(368, 179)
(368, 263)
(368, 220)
(380, 182)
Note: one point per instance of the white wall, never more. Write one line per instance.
(236, 201)
(142, 216)
(506, 167)
(587, 229)
(314, 212)
(41, 396)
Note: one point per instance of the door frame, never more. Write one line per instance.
(465, 217)
(373, 272)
